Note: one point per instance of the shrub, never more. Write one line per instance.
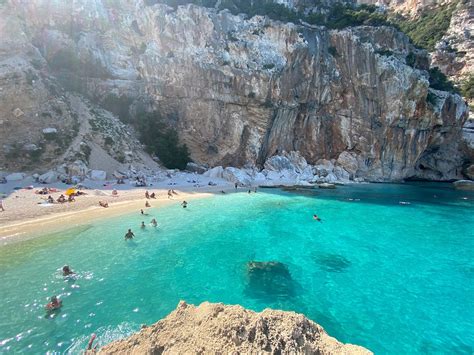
(467, 87)
(429, 27)
(162, 140)
(333, 51)
(439, 81)
(431, 98)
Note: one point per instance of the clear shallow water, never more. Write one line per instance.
(394, 278)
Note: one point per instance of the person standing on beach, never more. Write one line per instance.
(1, 206)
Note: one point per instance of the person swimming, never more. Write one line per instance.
(316, 218)
(67, 271)
(154, 223)
(54, 304)
(142, 226)
(143, 213)
(184, 204)
(129, 235)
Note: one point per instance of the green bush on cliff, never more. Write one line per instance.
(439, 81)
(467, 87)
(429, 27)
(162, 140)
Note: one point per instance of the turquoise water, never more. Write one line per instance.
(394, 278)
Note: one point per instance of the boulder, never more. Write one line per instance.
(98, 175)
(215, 173)
(15, 177)
(469, 172)
(78, 168)
(48, 178)
(30, 147)
(341, 174)
(195, 168)
(464, 185)
(297, 160)
(348, 161)
(50, 130)
(278, 163)
(237, 176)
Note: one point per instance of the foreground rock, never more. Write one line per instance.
(216, 328)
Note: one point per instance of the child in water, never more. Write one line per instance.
(54, 304)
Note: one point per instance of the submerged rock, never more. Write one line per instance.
(220, 329)
(332, 262)
(269, 279)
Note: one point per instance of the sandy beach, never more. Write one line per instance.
(28, 215)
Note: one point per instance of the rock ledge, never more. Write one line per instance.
(217, 328)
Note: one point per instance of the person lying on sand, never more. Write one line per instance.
(147, 204)
(67, 271)
(154, 223)
(152, 195)
(129, 235)
(104, 204)
(50, 199)
(71, 198)
(174, 192)
(114, 193)
(61, 199)
(54, 304)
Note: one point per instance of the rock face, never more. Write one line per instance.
(216, 328)
(240, 91)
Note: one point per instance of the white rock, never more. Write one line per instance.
(215, 173)
(98, 175)
(15, 177)
(50, 130)
(18, 112)
(237, 176)
(341, 174)
(48, 178)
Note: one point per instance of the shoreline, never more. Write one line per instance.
(38, 221)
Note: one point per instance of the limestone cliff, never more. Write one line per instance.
(239, 90)
(215, 329)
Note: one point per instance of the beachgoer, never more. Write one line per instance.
(170, 194)
(235, 185)
(103, 204)
(147, 195)
(255, 190)
(114, 192)
(141, 212)
(71, 198)
(67, 271)
(1, 206)
(129, 235)
(153, 222)
(54, 304)
(174, 192)
(91, 341)
(152, 195)
(142, 225)
(147, 204)
(61, 199)
(50, 199)
(250, 191)
(316, 218)
(184, 204)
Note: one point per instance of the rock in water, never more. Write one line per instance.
(464, 185)
(213, 328)
(269, 280)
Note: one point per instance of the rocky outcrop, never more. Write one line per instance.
(240, 91)
(216, 328)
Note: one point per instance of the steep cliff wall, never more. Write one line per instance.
(241, 90)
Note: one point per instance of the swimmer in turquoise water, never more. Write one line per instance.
(142, 225)
(67, 271)
(54, 304)
(129, 235)
(154, 223)
(316, 218)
